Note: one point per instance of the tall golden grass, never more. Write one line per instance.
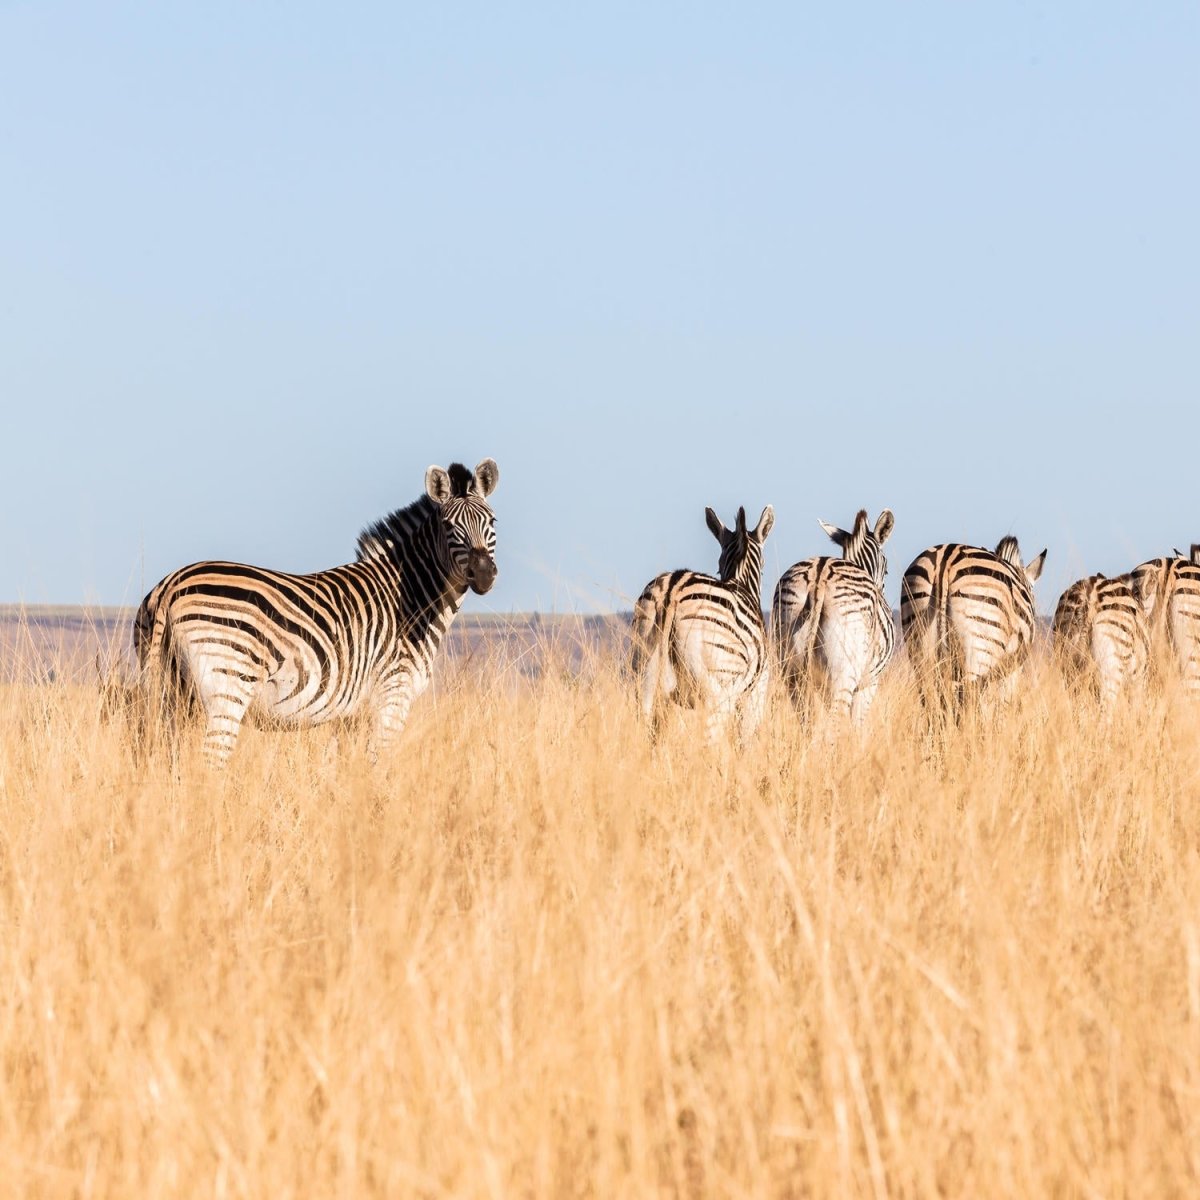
(527, 956)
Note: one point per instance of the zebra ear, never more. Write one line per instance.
(715, 524)
(1196, 552)
(884, 526)
(437, 485)
(765, 523)
(487, 475)
(839, 536)
(1033, 570)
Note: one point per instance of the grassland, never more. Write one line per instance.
(526, 956)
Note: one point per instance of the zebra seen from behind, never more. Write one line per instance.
(300, 650)
(700, 641)
(1102, 635)
(968, 617)
(1169, 592)
(830, 622)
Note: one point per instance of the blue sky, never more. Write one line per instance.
(261, 265)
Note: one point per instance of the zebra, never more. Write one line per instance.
(700, 640)
(1169, 592)
(1101, 632)
(967, 616)
(300, 650)
(829, 617)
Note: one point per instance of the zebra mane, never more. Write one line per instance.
(380, 539)
(852, 548)
(1009, 550)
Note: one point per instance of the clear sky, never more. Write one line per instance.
(260, 265)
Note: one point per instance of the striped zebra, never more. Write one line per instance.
(700, 640)
(1102, 634)
(1169, 591)
(968, 618)
(829, 618)
(299, 650)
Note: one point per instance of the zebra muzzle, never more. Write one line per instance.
(481, 572)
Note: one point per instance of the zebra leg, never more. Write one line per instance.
(226, 690)
(225, 712)
(720, 710)
(1009, 687)
(750, 711)
(844, 646)
(863, 699)
(657, 683)
(391, 715)
(794, 678)
(1110, 690)
(792, 657)
(841, 698)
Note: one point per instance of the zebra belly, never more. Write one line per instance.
(296, 694)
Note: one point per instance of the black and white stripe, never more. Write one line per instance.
(299, 650)
(1101, 633)
(700, 641)
(830, 621)
(968, 617)
(1169, 592)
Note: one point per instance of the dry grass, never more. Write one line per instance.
(528, 957)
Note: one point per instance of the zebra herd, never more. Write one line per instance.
(298, 650)
(967, 617)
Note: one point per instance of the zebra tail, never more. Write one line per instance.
(811, 615)
(646, 633)
(651, 642)
(948, 658)
(163, 677)
(143, 630)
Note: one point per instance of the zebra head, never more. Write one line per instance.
(741, 548)
(1009, 551)
(467, 522)
(863, 545)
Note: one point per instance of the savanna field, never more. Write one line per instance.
(526, 955)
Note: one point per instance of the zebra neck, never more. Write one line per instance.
(411, 542)
(426, 619)
(429, 598)
(747, 588)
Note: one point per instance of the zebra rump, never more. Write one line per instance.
(967, 616)
(1101, 633)
(1168, 590)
